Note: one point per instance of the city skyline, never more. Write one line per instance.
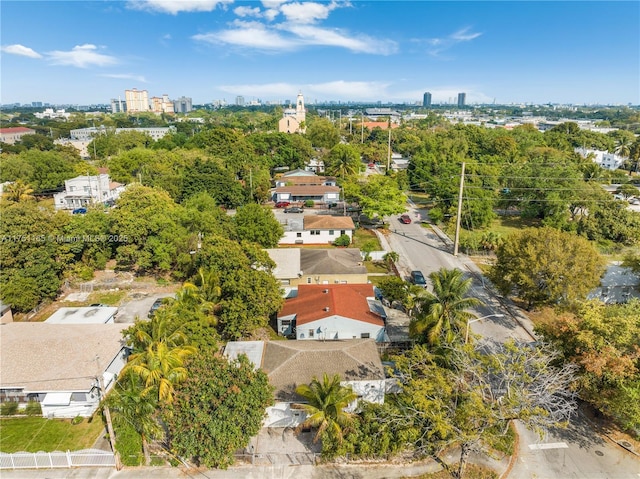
(389, 52)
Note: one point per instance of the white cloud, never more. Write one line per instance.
(311, 35)
(463, 36)
(273, 3)
(248, 34)
(440, 45)
(81, 56)
(309, 12)
(21, 50)
(247, 11)
(176, 6)
(126, 76)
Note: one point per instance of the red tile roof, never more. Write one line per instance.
(347, 300)
(17, 129)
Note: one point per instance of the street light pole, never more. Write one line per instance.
(469, 321)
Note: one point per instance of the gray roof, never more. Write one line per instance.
(287, 262)
(42, 357)
(332, 261)
(291, 363)
(83, 315)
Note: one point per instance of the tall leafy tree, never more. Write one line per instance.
(217, 409)
(326, 406)
(468, 400)
(546, 266)
(258, 224)
(17, 191)
(443, 313)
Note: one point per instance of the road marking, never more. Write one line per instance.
(549, 445)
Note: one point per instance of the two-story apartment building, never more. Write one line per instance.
(83, 191)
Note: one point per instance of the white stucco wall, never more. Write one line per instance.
(338, 327)
(325, 237)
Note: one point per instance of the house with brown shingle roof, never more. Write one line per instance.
(58, 365)
(289, 364)
(333, 311)
(317, 229)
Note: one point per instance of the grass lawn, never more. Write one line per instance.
(362, 236)
(110, 298)
(33, 434)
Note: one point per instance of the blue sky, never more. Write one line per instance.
(83, 52)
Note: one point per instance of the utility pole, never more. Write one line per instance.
(456, 241)
(362, 129)
(389, 149)
(107, 416)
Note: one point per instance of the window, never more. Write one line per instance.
(311, 333)
(364, 335)
(309, 280)
(315, 232)
(330, 232)
(298, 235)
(342, 232)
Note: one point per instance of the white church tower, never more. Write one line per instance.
(293, 119)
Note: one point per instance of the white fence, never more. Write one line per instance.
(57, 459)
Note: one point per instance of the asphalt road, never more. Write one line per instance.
(586, 455)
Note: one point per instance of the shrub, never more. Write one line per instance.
(33, 409)
(9, 408)
(342, 240)
(309, 204)
(436, 215)
(77, 420)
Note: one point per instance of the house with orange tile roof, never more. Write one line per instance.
(333, 311)
(317, 229)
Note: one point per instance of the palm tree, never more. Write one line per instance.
(163, 327)
(443, 313)
(623, 147)
(343, 161)
(160, 367)
(326, 405)
(132, 407)
(18, 191)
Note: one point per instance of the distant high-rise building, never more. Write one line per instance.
(118, 106)
(182, 105)
(136, 100)
(462, 98)
(161, 104)
(240, 100)
(36, 104)
(426, 99)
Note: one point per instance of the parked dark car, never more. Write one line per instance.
(418, 278)
(154, 307)
(293, 209)
(406, 219)
(79, 211)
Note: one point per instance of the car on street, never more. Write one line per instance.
(418, 279)
(79, 211)
(406, 219)
(154, 307)
(282, 204)
(293, 209)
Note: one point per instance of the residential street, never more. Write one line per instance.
(586, 454)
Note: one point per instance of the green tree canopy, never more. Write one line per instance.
(546, 266)
(217, 409)
(258, 224)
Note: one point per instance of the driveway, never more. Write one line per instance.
(138, 305)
